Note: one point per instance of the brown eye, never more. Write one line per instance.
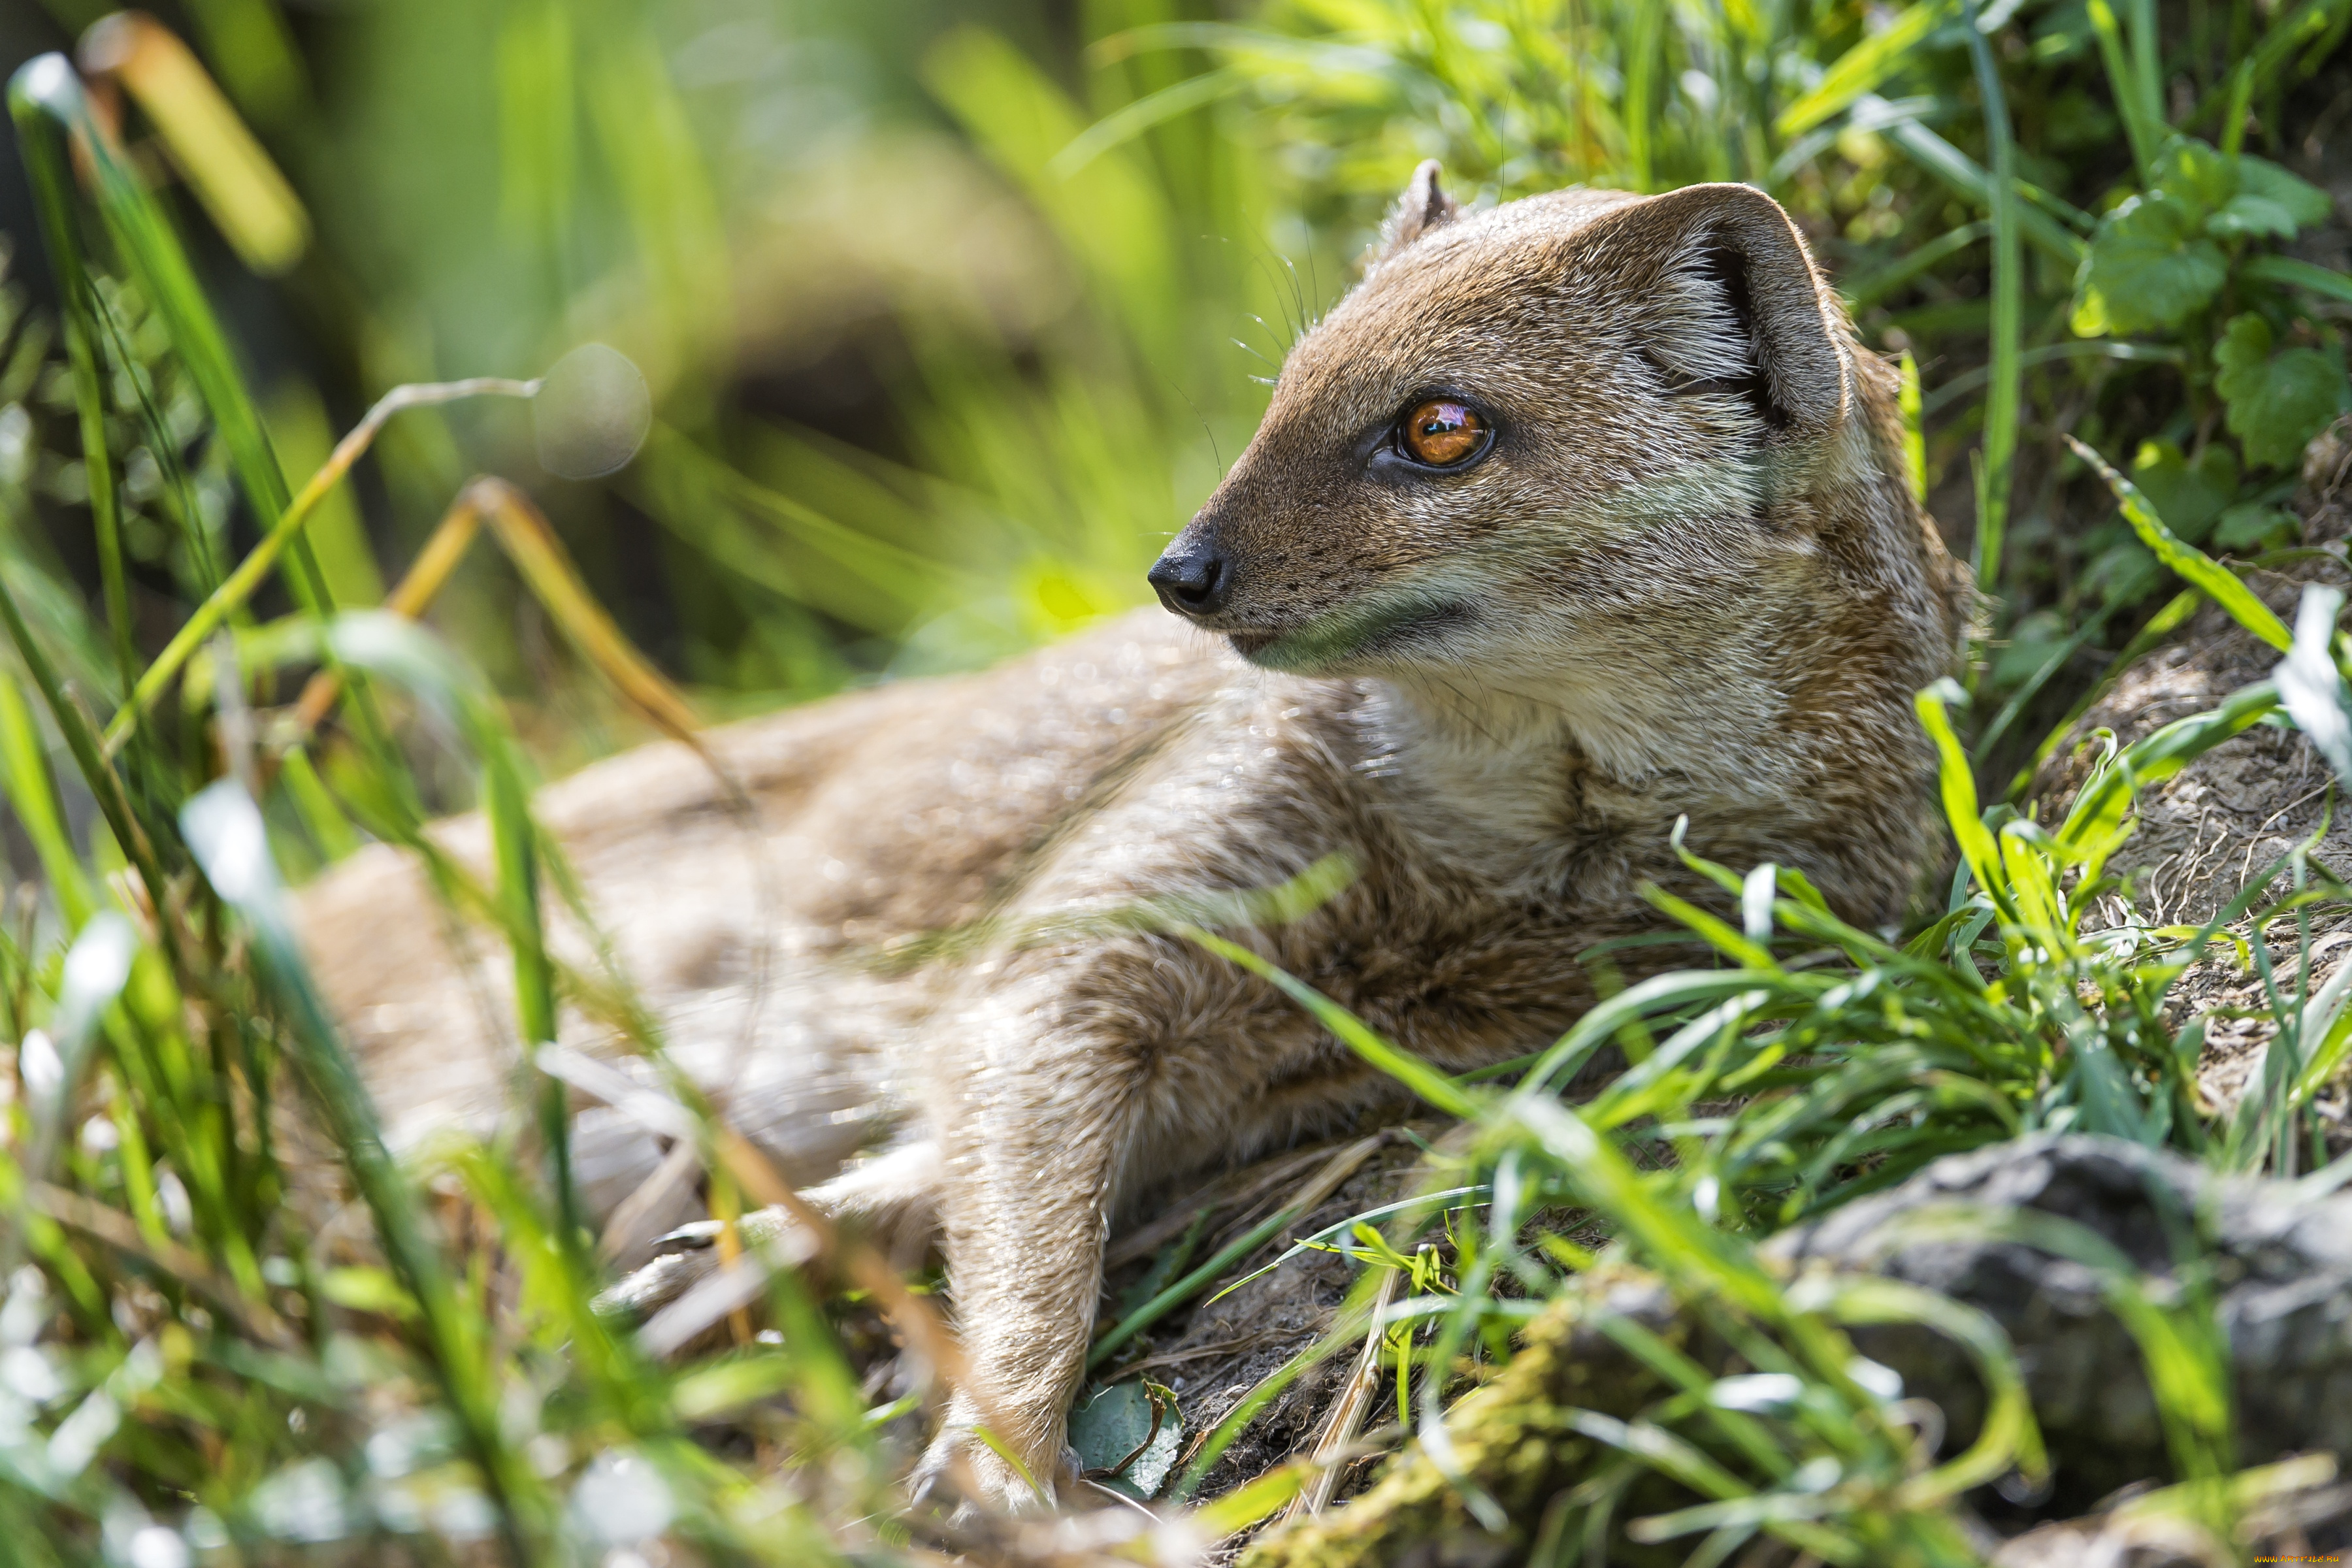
(1443, 433)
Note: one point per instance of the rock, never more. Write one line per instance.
(2277, 1262)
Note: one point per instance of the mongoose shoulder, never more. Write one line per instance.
(1576, 517)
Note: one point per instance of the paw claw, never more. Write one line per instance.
(701, 1235)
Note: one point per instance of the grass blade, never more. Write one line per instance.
(2217, 581)
(2150, 635)
(2000, 416)
(41, 143)
(1408, 1069)
(224, 830)
(1964, 175)
(2100, 805)
(242, 583)
(1958, 782)
(2311, 689)
(81, 739)
(2288, 272)
(32, 795)
(1862, 68)
(48, 87)
(246, 198)
(2123, 75)
(539, 555)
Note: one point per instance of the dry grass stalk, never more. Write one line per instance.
(1347, 1412)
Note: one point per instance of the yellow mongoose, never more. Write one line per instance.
(1576, 516)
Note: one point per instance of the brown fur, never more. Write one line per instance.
(1689, 579)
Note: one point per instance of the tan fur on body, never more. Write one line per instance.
(1688, 578)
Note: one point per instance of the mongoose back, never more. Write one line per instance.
(1576, 516)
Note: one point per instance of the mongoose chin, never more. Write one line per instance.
(1575, 517)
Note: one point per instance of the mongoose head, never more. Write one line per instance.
(1538, 444)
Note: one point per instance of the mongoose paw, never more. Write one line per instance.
(756, 1228)
(684, 1259)
(959, 1466)
(890, 1197)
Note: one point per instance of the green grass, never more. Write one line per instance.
(2011, 194)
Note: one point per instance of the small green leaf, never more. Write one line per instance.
(2245, 343)
(2245, 217)
(2148, 267)
(2275, 401)
(2188, 494)
(1128, 1436)
(2090, 317)
(2191, 172)
(2251, 526)
(2303, 202)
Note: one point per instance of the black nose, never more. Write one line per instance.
(1192, 580)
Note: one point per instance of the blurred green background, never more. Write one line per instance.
(952, 313)
(920, 401)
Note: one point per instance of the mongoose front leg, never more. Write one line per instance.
(1044, 1112)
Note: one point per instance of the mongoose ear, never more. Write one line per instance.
(1424, 206)
(1730, 301)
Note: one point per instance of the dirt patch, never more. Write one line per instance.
(1214, 1353)
(2212, 829)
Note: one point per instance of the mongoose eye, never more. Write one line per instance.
(1443, 434)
